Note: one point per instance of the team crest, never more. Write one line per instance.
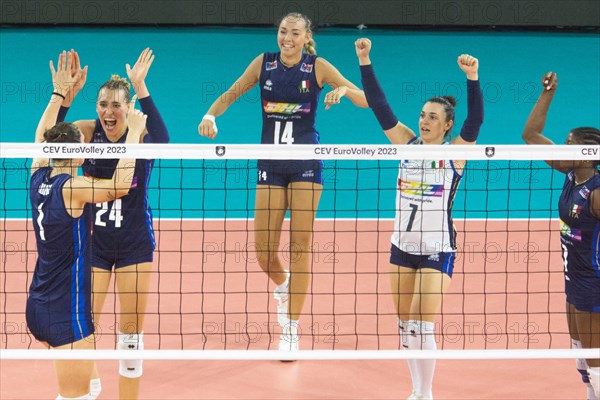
(220, 150)
(490, 151)
(269, 66)
(306, 68)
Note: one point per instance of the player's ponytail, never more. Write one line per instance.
(310, 47)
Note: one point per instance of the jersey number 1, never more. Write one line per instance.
(287, 134)
(113, 215)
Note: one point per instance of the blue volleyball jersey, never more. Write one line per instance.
(61, 281)
(579, 229)
(289, 100)
(123, 224)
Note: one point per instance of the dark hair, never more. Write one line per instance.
(309, 47)
(449, 103)
(587, 135)
(117, 83)
(63, 132)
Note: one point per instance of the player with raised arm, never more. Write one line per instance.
(123, 228)
(424, 239)
(59, 311)
(579, 211)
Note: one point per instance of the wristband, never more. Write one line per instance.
(60, 95)
(212, 119)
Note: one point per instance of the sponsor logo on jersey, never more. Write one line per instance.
(569, 233)
(306, 68)
(286, 108)
(268, 85)
(420, 189)
(269, 66)
(44, 189)
(584, 192)
(304, 87)
(308, 174)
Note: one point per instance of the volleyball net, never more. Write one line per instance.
(209, 298)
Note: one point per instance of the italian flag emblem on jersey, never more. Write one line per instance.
(576, 209)
(304, 86)
(439, 164)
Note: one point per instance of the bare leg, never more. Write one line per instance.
(133, 283)
(271, 206)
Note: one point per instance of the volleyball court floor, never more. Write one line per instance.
(209, 293)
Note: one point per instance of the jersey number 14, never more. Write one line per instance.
(286, 136)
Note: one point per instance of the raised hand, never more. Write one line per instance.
(136, 121)
(137, 74)
(550, 81)
(63, 79)
(469, 65)
(79, 74)
(363, 49)
(334, 96)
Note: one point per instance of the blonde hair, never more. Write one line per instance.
(311, 46)
(117, 83)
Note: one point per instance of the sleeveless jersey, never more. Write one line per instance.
(579, 228)
(62, 277)
(125, 223)
(426, 190)
(289, 100)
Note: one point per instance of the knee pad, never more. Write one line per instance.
(131, 368)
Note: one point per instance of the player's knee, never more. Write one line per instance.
(131, 368)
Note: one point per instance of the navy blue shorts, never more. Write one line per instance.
(56, 327)
(583, 292)
(443, 262)
(283, 172)
(105, 259)
(282, 177)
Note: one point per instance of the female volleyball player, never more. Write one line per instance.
(579, 211)
(58, 310)
(424, 240)
(123, 231)
(290, 84)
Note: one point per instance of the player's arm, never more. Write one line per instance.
(397, 132)
(62, 83)
(81, 190)
(156, 130)
(243, 84)
(470, 129)
(532, 134)
(80, 75)
(326, 73)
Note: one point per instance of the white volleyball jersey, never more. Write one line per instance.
(426, 190)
